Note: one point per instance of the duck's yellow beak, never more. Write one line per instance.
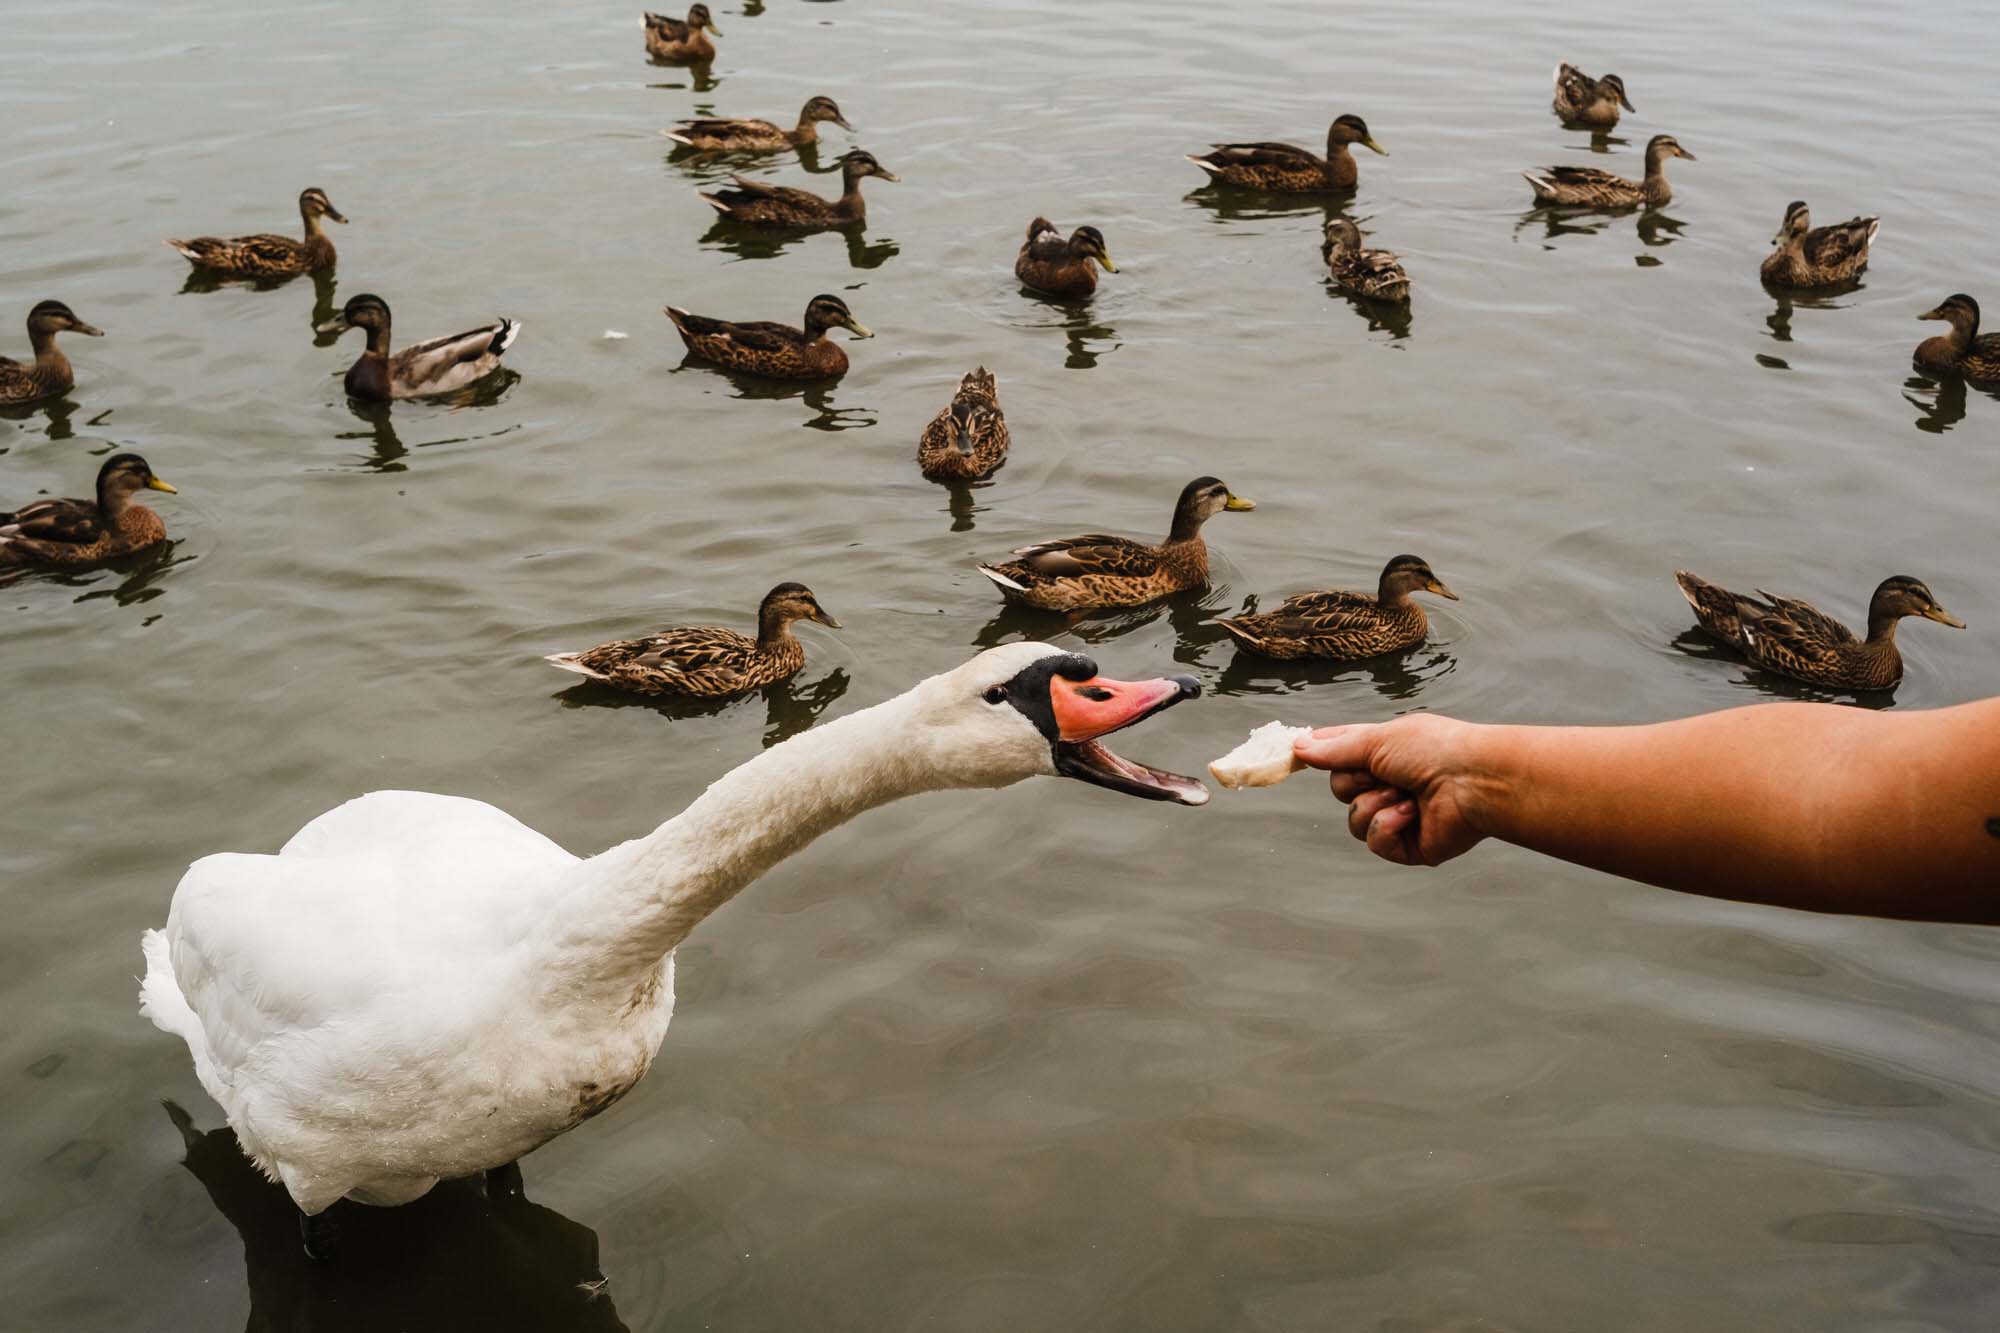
(155, 484)
(1238, 505)
(1370, 143)
(1437, 586)
(1105, 260)
(858, 329)
(1944, 617)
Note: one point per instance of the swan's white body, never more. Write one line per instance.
(420, 987)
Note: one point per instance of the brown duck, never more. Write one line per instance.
(1345, 626)
(1285, 169)
(772, 349)
(1796, 639)
(707, 661)
(66, 534)
(267, 255)
(1809, 256)
(1057, 267)
(1965, 351)
(758, 136)
(49, 373)
(1372, 275)
(1083, 573)
(1589, 187)
(1582, 100)
(760, 205)
(967, 440)
(682, 41)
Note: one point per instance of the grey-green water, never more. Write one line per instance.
(1042, 1058)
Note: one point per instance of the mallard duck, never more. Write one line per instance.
(758, 136)
(1059, 267)
(441, 365)
(1082, 573)
(968, 439)
(768, 348)
(708, 661)
(1588, 187)
(1282, 168)
(267, 255)
(1796, 639)
(1374, 275)
(672, 39)
(759, 205)
(1345, 626)
(49, 373)
(1964, 351)
(1582, 100)
(1809, 256)
(69, 533)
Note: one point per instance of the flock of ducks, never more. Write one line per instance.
(969, 440)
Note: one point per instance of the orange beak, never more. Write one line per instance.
(1087, 709)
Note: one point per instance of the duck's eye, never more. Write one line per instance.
(997, 695)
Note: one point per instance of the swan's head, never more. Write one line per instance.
(1028, 709)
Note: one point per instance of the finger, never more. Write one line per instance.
(1366, 806)
(1348, 783)
(1385, 833)
(1337, 747)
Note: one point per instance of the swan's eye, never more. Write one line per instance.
(997, 695)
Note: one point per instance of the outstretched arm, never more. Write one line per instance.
(1814, 806)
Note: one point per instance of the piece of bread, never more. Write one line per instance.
(1264, 759)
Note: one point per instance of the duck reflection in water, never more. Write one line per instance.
(58, 410)
(790, 706)
(1779, 321)
(766, 243)
(1233, 204)
(1699, 644)
(1397, 676)
(1085, 338)
(389, 453)
(461, 1257)
(817, 395)
(1946, 407)
(1187, 612)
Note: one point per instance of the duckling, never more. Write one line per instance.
(707, 661)
(66, 534)
(967, 440)
(682, 42)
(49, 374)
(1049, 264)
(758, 136)
(1345, 626)
(1588, 187)
(1582, 100)
(1965, 351)
(1084, 573)
(771, 349)
(1817, 257)
(442, 365)
(1373, 275)
(1282, 168)
(1796, 639)
(759, 205)
(266, 255)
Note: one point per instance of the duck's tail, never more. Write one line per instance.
(574, 662)
(1544, 187)
(1004, 582)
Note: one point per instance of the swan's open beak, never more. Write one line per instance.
(1086, 710)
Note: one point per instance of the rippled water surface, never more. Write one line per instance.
(1042, 1058)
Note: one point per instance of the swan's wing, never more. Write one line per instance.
(408, 821)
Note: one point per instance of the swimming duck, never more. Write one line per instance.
(49, 373)
(1282, 168)
(1588, 187)
(1083, 573)
(769, 348)
(1809, 256)
(1582, 100)
(675, 40)
(442, 365)
(1345, 626)
(758, 136)
(1796, 639)
(419, 987)
(760, 205)
(1373, 275)
(267, 255)
(67, 534)
(1057, 267)
(1965, 351)
(708, 661)
(968, 439)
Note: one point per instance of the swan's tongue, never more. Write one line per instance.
(1088, 709)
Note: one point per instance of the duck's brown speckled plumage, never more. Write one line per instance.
(715, 134)
(1345, 626)
(1965, 351)
(67, 534)
(267, 255)
(707, 661)
(772, 349)
(1057, 267)
(682, 40)
(1809, 256)
(440, 366)
(757, 204)
(49, 373)
(1796, 639)
(1582, 100)
(1084, 573)
(1283, 168)
(1373, 275)
(1590, 187)
(967, 440)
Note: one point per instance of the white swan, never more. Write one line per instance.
(420, 987)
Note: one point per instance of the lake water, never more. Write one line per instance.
(1043, 1058)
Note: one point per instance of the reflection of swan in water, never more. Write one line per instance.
(461, 1258)
(790, 706)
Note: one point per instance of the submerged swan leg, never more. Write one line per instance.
(317, 1231)
(504, 1182)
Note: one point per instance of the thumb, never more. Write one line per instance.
(1348, 747)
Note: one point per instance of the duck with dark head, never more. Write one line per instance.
(1590, 187)
(682, 41)
(777, 351)
(1965, 351)
(49, 373)
(1345, 626)
(1056, 267)
(715, 134)
(708, 661)
(267, 255)
(1808, 256)
(1590, 103)
(70, 534)
(1797, 639)
(758, 204)
(1283, 168)
(440, 366)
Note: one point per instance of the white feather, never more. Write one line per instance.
(1000, 578)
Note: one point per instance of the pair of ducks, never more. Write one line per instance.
(1582, 102)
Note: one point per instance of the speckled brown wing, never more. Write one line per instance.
(261, 256)
(1336, 625)
(969, 438)
(1098, 570)
(32, 381)
(1715, 608)
(71, 521)
(1046, 265)
(1797, 640)
(1575, 91)
(1842, 249)
(1585, 187)
(700, 661)
(763, 205)
(731, 136)
(1376, 275)
(761, 348)
(1278, 167)
(71, 533)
